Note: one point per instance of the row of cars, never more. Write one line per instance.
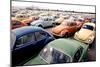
(33, 44)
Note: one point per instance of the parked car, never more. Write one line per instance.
(93, 20)
(29, 41)
(16, 23)
(22, 17)
(86, 34)
(80, 22)
(44, 22)
(30, 20)
(34, 17)
(44, 14)
(60, 20)
(86, 20)
(65, 30)
(61, 51)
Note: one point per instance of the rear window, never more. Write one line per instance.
(40, 35)
(71, 23)
(53, 56)
(88, 27)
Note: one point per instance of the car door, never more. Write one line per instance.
(78, 55)
(40, 39)
(48, 22)
(24, 48)
(45, 22)
(51, 22)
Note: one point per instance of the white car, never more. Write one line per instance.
(44, 22)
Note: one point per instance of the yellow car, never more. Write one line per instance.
(22, 17)
(86, 34)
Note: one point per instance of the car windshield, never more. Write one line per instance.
(54, 56)
(88, 27)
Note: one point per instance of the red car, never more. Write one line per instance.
(16, 24)
(66, 29)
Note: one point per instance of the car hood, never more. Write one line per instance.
(83, 34)
(58, 29)
(35, 61)
(37, 21)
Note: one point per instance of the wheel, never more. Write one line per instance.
(53, 24)
(40, 26)
(63, 34)
(66, 35)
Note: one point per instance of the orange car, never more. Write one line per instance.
(63, 30)
(16, 24)
(30, 19)
(35, 17)
(27, 19)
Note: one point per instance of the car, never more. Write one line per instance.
(86, 20)
(26, 18)
(22, 17)
(44, 22)
(60, 51)
(16, 23)
(86, 34)
(29, 41)
(44, 14)
(80, 22)
(30, 20)
(65, 29)
(34, 17)
(60, 20)
(93, 20)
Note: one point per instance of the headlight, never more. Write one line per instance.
(89, 40)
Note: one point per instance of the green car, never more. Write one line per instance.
(61, 51)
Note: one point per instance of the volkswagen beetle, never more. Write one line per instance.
(61, 51)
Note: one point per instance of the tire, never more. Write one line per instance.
(66, 35)
(40, 26)
(53, 24)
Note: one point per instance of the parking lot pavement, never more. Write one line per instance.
(91, 51)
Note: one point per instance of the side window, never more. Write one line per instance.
(78, 54)
(50, 19)
(16, 23)
(25, 39)
(40, 35)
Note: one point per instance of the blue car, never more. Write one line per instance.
(28, 41)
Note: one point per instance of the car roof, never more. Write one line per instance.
(25, 30)
(67, 46)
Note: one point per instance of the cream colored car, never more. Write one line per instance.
(60, 20)
(86, 34)
(22, 17)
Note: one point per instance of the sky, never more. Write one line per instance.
(56, 6)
